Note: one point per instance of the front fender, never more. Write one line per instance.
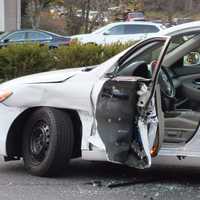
(26, 96)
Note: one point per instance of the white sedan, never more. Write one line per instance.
(122, 32)
(140, 104)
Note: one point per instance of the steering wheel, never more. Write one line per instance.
(166, 84)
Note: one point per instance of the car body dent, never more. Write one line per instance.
(47, 95)
(45, 77)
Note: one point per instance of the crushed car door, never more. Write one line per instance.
(126, 110)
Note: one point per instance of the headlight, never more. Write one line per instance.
(4, 95)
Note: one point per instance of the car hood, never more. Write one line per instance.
(46, 77)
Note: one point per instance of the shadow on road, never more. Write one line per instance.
(128, 176)
(117, 175)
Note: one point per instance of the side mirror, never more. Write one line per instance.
(6, 40)
(192, 58)
(110, 75)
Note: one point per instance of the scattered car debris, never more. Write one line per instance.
(111, 185)
(95, 183)
(133, 182)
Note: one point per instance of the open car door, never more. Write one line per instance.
(127, 110)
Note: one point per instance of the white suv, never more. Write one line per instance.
(120, 32)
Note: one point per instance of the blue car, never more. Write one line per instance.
(34, 36)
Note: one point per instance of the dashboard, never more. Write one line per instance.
(191, 88)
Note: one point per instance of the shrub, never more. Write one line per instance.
(78, 55)
(19, 60)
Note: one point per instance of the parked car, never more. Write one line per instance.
(34, 36)
(120, 32)
(135, 16)
(140, 104)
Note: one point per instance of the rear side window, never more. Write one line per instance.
(116, 30)
(137, 29)
(150, 29)
(38, 36)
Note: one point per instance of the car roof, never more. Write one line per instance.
(137, 22)
(22, 30)
(179, 29)
(158, 25)
(38, 30)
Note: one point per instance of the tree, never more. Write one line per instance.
(167, 8)
(35, 8)
(171, 8)
(78, 14)
(23, 7)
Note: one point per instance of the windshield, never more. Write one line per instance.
(99, 30)
(136, 14)
(147, 54)
(150, 54)
(53, 34)
(179, 40)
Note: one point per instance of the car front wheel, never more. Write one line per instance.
(47, 141)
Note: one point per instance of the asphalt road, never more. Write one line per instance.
(98, 181)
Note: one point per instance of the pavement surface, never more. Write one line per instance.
(100, 180)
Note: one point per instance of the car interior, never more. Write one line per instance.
(182, 110)
(179, 81)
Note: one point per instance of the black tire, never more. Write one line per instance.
(47, 142)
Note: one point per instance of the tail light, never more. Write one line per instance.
(68, 42)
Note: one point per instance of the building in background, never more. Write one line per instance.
(10, 15)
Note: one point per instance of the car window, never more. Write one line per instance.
(191, 58)
(136, 15)
(116, 30)
(179, 40)
(147, 54)
(151, 52)
(15, 37)
(151, 29)
(38, 36)
(136, 29)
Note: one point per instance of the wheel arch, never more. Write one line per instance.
(14, 137)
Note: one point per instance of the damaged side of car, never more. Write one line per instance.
(127, 112)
